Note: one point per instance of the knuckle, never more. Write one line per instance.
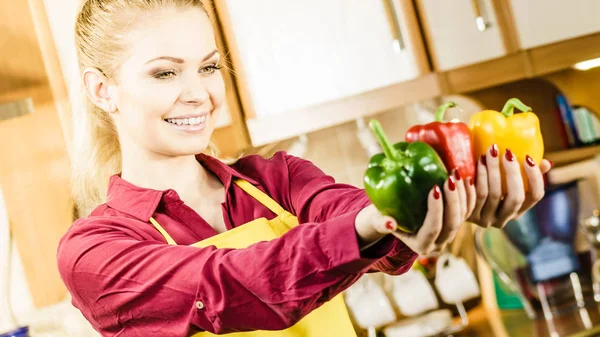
(537, 194)
(452, 234)
(495, 195)
(481, 195)
(515, 201)
(485, 222)
(500, 224)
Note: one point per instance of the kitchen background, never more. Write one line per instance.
(306, 77)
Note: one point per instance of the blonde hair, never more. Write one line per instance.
(96, 153)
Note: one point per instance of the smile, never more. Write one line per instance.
(189, 124)
(187, 121)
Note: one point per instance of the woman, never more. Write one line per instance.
(177, 243)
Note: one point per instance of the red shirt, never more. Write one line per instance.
(127, 281)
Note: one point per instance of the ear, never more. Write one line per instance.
(97, 89)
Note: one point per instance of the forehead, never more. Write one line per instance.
(185, 33)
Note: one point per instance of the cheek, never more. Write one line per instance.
(147, 101)
(216, 89)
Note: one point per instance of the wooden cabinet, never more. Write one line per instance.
(34, 167)
(541, 22)
(463, 32)
(292, 58)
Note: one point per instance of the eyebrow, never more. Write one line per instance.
(178, 60)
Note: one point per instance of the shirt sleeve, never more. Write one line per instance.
(316, 197)
(129, 286)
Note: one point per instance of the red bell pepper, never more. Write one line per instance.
(451, 140)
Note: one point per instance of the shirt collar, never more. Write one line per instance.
(141, 202)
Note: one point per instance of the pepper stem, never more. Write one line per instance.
(439, 114)
(387, 147)
(513, 103)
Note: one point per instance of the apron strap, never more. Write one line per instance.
(254, 192)
(261, 196)
(163, 232)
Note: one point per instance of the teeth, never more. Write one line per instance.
(187, 121)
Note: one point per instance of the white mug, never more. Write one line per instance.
(413, 294)
(431, 324)
(369, 305)
(454, 280)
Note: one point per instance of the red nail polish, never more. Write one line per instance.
(389, 225)
(471, 181)
(551, 163)
(483, 160)
(456, 174)
(451, 183)
(529, 161)
(436, 192)
(509, 155)
(494, 151)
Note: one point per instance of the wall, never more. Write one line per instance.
(338, 152)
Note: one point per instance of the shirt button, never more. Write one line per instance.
(199, 305)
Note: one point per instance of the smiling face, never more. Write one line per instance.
(168, 92)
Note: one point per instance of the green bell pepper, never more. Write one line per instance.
(398, 180)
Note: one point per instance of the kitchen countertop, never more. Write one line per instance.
(515, 323)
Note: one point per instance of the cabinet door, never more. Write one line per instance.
(34, 163)
(461, 32)
(540, 22)
(290, 55)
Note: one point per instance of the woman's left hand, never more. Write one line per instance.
(485, 200)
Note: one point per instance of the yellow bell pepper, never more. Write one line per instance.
(518, 132)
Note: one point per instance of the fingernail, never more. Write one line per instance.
(551, 163)
(451, 183)
(456, 174)
(509, 155)
(471, 181)
(436, 192)
(483, 160)
(529, 161)
(494, 151)
(389, 225)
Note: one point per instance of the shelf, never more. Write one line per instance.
(40, 94)
(340, 111)
(573, 155)
(523, 64)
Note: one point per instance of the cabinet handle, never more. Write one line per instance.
(480, 21)
(392, 13)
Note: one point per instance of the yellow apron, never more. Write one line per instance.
(331, 319)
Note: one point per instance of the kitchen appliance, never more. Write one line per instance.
(551, 278)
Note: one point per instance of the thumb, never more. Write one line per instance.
(384, 224)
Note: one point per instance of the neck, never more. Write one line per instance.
(159, 172)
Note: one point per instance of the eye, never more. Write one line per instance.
(164, 75)
(210, 69)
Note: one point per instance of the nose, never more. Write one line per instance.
(195, 93)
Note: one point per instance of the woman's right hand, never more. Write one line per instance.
(444, 216)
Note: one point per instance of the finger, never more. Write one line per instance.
(462, 194)
(423, 242)
(545, 166)
(515, 195)
(384, 224)
(536, 185)
(471, 196)
(481, 189)
(452, 211)
(488, 214)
